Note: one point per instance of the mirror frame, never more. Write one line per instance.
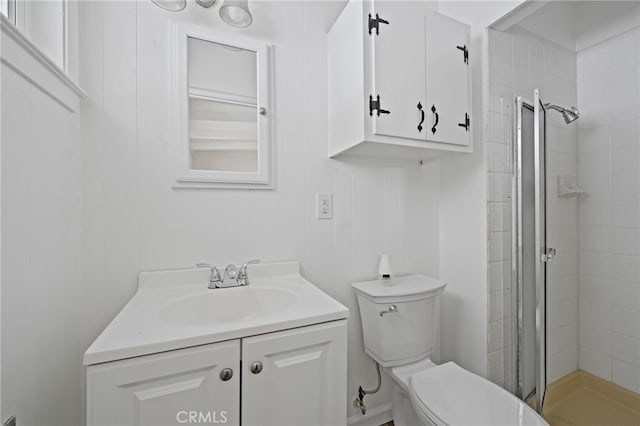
(191, 178)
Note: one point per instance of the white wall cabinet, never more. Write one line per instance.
(399, 81)
(301, 380)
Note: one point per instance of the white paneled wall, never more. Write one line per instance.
(609, 171)
(134, 220)
(501, 94)
(519, 63)
(41, 255)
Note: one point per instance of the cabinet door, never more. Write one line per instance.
(302, 380)
(447, 79)
(170, 388)
(398, 68)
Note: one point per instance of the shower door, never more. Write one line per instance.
(529, 251)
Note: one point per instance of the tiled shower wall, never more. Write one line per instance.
(609, 171)
(519, 63)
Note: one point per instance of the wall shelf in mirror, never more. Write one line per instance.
(222, 130)
(222, 93)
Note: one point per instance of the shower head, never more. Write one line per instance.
(569, 114)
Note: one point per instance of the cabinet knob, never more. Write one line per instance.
(226, 374)
(256, 367)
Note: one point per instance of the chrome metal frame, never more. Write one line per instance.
(540, 248)
(516, 250)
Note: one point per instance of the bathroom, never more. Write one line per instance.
(88, 93)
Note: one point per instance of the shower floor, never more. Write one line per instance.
(581, 399)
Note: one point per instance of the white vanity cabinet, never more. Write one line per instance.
(399, 81)
(166, 388)
(295, 377)
(301, 380)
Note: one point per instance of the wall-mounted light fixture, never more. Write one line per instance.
(206, 3)
(236, 13)
(171, 5)
(233, 12)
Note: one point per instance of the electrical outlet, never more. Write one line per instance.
(324, 206)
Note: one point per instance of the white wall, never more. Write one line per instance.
(595, 21)
(463, 220)
(609, 169)
(41, 225)
(555, 22)
(134, 220)
(499, 205)
(577, 25)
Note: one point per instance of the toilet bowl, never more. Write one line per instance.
(399, 325)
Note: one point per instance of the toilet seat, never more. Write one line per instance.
(450, 395)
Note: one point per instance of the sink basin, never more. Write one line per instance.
(173, 309)
(227, 305)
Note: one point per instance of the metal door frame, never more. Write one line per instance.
(540, 250)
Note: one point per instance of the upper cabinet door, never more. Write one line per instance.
(399, 84)
(397, 33)
(295, 377)
(447, 79)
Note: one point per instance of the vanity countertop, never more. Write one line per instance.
(174, 309)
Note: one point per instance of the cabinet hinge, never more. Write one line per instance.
(375, 23)
(374, 105)
(467, 122)
(465, 53)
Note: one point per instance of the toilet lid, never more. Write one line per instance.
(451, 395)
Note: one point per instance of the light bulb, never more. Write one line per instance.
(236, 13)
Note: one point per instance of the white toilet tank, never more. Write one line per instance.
(399, 317)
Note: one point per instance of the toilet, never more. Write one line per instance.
(399, 325)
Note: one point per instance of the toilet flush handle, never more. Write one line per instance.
(392, 309)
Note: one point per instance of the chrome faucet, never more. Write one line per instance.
(214, 278)
(233, 276)
(230, 274)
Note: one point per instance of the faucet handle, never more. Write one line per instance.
(243, 277)
(243, 268)
(214, 279)
(250, 262)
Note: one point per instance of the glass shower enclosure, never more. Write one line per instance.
(530, 253)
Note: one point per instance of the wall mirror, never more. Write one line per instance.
(223, 118)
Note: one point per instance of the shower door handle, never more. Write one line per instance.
(549, 255)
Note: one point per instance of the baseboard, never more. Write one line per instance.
(374, 417)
